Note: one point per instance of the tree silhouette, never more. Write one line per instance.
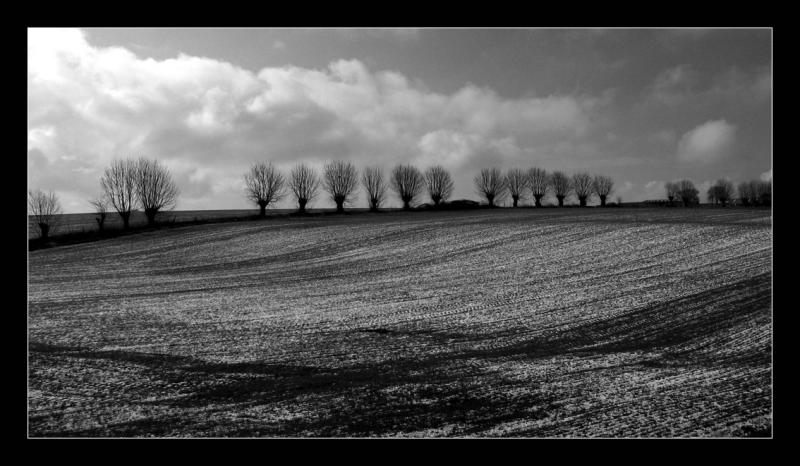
(408, 183)
(439, 183)
(375, 185)
(671, 188)
(491, 185)
(155, 188)
(43, 207)
(341, 181)
(687, 192)
(100, 205)
(583, 186)
(304, 184)
(264, 185)
(539, 183)
(517, 183)
(561, 186)
(603, 186)
(119, 184)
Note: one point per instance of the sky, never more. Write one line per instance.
(643, 106)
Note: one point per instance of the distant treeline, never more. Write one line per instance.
(144, 184)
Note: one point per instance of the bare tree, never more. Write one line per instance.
(439, 183)
(408, 183)
(603, 186)
(100, 205)
(119, 184)
(671, 188)
(375, 185)
(561, 186)
(491, 185)
(304, 184)
(517, 183)
(44, 207)
(341, 182)
(722, 191)
(744, 193)
(583, 187)
(711, 194)
(764, 192)
(687, 192)
(264, 185)
(155, 188)
(539, 184)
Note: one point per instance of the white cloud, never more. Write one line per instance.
(709, 142)
(208, 120)
(672, 86)
(767, 175)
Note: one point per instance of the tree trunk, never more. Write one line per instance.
(436, 200)
(302, 203)
(340, 206)
(45, 229)
(491, 200)
(560, 201)
(516, 199)
(262, 209)
(100, 221)
(582, 200)
(406, 203)
(723, 202)
(602, 201)
(126, 220)
(538, 198)
(151, 216)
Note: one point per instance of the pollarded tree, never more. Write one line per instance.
(100, 205)
(119, 184)
(439, 184)
(408, 183)
(561, 186)
(155, 188)
(491, 185)
(264, 185)
(583, 186)
(304, 184)
(764, 192)
(539, 183)
(43, 207)
(744, 193)
(722, 191)
(341, 181)
(375, 186)
(517, 183)
(687, 192)
(603, 186)
(671, 188)
(711, 194)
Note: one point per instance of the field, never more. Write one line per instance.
(523, 323)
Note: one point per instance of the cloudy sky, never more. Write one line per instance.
(642, 106)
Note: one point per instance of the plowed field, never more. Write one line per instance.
(525, 323)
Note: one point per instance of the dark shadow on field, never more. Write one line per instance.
(407, 395)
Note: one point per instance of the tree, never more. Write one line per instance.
(722, 191)
(764, 192)
(671, 188)
(44, 207)
(539, 182)
(582, 185)
(264, 185)
(561, 186)
(375, 185)
(155, 188)
(711, 194)
(100, 205)
(744, 193)
(304, 184)
(439, 183)
(341, 181)
(491, 185)
(408, 183)
(687, 192)
(119, 184)
(517, 183)
(753, 188)
(603, 186)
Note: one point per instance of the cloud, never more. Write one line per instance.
(672, 86)
(279, 45)
(767, 175)
(709, 142)
(208, 120)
